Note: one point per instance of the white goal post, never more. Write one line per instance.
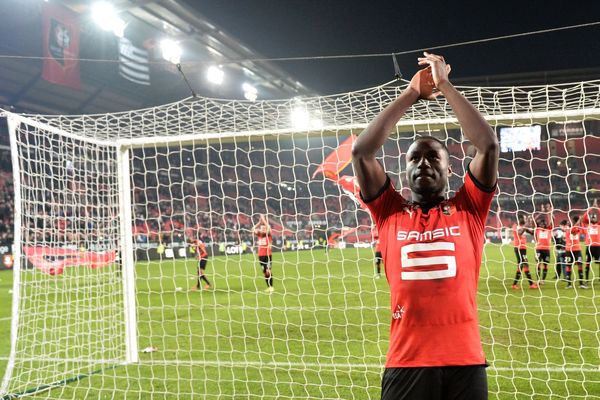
(107, 208)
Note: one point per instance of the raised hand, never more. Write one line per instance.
(439, 70)
(422, 83)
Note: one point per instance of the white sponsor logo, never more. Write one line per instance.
(398, 313)
(448, 261)
(428, 235)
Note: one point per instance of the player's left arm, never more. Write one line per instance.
(484, 166)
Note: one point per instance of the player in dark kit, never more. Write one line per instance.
(592, 241)
(378, 259)
(432, 246)
(560, 249)
(202, 255)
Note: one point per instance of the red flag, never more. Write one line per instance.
(60, 28)
(54, 260)
(350, 185)
(335, 162)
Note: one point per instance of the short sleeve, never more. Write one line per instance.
(476, 196)
(384, 203)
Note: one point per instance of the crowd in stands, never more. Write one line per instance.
(218, 192)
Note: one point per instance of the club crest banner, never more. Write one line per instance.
(60, 28)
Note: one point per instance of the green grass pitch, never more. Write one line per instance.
(323, 333)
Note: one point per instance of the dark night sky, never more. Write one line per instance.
(291, 28)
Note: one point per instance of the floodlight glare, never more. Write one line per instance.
(107, 19)
(215, 75)
(250, 92)
(300, 118)
(118, 27)
(171, 51)
(104, 14)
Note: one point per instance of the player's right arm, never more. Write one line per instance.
(369, 173)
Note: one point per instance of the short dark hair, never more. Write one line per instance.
(429, 137)
(563, 222)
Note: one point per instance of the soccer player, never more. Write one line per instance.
(543, 238)
(520, 243)
(593, 209)
(431, 246)
(262, 230)
(573, 247)
(378, 258)
(559, 236)
(202, 255)
(592, 241)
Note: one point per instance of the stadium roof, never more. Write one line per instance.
(102, 88)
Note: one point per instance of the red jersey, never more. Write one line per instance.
(201, 252)
(592, 237)
(543, 237)
(520, 241)
(572, 242)
(432, 266)
(265, 242)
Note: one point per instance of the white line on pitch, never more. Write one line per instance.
(284, 364)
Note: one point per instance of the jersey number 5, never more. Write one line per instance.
(448, 261)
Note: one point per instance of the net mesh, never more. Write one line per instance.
(208, 168)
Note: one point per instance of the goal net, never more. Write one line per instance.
(108, 209)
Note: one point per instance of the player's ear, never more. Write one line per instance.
(449, 170)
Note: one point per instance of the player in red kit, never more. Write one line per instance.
(202, 255)
(262, 230)
(574, 258)
(543, 244)
(520, 244)
(432, 246)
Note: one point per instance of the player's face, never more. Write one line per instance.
(427, 167)
(594, 218)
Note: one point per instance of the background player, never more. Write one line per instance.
(592, 241)
(378, 258)
(559, 234)
(520, 244)
(574, 258)
(435, 348)
(543, 239)
(202, 255)
(262, 230)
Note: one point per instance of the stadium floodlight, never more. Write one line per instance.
(250, 92)
(107, 19)
(300, 118)
(171, 50)
(118, 27)
(215, 75)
